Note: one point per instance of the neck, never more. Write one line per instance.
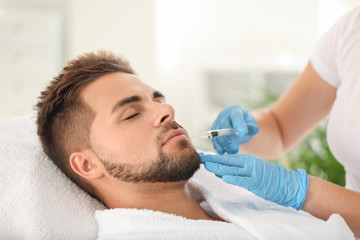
(173, 198)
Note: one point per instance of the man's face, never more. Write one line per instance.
(134, 133)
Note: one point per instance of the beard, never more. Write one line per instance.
(175, 167)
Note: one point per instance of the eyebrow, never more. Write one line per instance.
(132, 99)
(158, 94)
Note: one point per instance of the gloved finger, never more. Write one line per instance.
(253, 129)
(217, 146)
(229, 160)
(251, 123)
(222, 121)
(229, 143)
(232, 145)
(245, 182)
(238, 122)
(215, 124)
(221, 141)
(241, 140)
(202, 157)
(249, 118)
(220, 169)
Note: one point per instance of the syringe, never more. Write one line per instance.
(216, 133)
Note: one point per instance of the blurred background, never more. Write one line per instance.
(204, 55)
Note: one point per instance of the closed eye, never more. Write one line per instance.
(132, 116)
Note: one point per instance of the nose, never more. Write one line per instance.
(162, 113)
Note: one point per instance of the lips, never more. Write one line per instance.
(174, 134)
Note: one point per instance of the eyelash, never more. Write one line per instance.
(161, 100)
(132, 116)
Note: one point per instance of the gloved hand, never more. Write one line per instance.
(267, 180)
(239, 119)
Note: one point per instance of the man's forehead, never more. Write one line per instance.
(115, 85)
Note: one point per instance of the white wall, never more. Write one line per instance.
(30, 53)
(197, 36)
(173, 44)
(125, 27)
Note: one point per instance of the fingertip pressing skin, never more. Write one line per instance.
(202, 157)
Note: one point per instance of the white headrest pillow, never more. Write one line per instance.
(37, 201)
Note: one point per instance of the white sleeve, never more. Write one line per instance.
(326, 55)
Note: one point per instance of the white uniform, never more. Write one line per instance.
(337, 60)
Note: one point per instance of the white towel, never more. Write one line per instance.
(37, 201)
(250, 217)
(134, 224)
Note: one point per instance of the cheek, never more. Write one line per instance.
(133, 146)
(141, 143)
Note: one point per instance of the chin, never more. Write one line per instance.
(180, 147)
(184, 144)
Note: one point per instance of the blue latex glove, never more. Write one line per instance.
(267, 180)
(239, 119)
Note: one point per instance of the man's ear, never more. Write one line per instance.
(85, 164)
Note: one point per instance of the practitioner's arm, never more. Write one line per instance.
(306, 103)
(290, 188)
(325, 198)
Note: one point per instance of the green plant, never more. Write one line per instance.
(313, 155)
